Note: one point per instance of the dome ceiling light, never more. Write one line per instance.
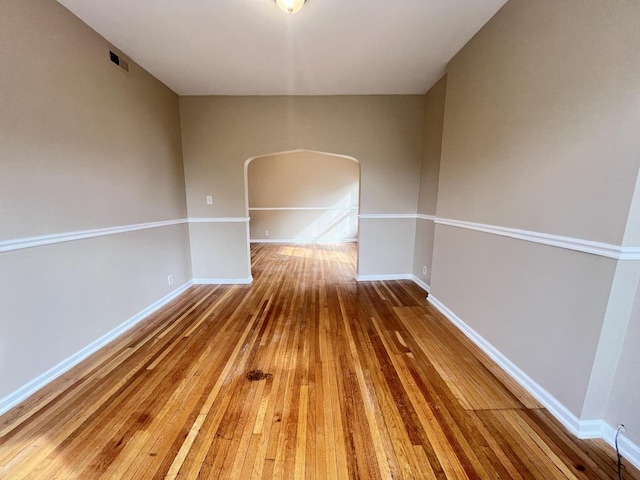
(290, 6)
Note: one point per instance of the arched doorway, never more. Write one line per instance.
(302, 196)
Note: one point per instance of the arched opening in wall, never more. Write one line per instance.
(302, 196)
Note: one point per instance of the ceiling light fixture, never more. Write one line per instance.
(290, 6)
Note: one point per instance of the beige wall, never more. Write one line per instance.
(220, 248)
(541, 120)
(386, 247)
(540, 133)
(327, 183)
(423, 250)
(84, 146)
(540, 306)
(432, 147)
(621, 340)
(304, 225)
(625, 392)
(429, 176)
(57, 299)
(384, 133)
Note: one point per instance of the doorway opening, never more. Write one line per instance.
(302, 196)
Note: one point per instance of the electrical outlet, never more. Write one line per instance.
(209, 200)
(424, 269)
(621, 427)
(266, 233)
(170, 279)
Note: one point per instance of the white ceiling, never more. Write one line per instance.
(251, 47)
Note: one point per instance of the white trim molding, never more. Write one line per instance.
(580, 428)
(567, 418)
(424, 285)
(576, 244)
(629, 253)
(570, 243)
(629, 450)
(302, 241)
(219, 219)
(39, 382)
(20, 243)
(394, 216)
(223, 281)
(355, 209)
(377, 278)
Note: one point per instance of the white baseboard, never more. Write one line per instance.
(377, 278)
(629, 450)
(295, 240)
(580, 428)
(401, 276)
(558, 410)
(423, 285)
(223, 281)
(22, 393)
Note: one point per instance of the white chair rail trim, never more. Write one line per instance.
(20, 243)
(258, 209)
(570, 243)
(577, 244)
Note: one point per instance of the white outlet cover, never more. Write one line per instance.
(209, 200)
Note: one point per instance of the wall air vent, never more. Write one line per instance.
(117, 60)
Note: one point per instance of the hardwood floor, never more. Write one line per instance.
(303, 374)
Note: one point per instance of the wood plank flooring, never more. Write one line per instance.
(348, 380)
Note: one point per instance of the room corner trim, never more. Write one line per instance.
(580, 428)
(22, 393)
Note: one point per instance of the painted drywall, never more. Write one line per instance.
(429, 177)
(529, 301)
(614, 330)
(220, 248)
(632, 232)
(84, 146)
(625, 393)
(384, 133)
(541, 120)
(432, 147)
(423, 249)
(619, 342)
(540, 133)
(57, 299)
(386, 247)
(304, 225)
(297, 180)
